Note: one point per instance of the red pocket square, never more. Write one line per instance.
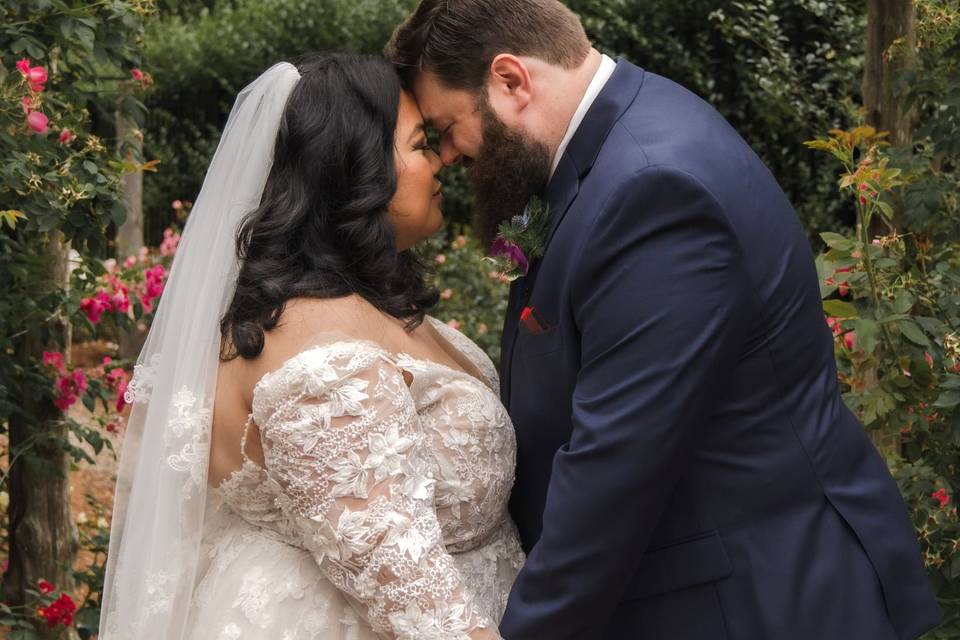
(531, 321)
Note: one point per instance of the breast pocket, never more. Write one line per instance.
(532, 345)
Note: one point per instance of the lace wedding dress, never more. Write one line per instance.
(382, 509)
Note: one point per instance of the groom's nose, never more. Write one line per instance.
(449, 154)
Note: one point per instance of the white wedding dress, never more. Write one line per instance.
(382, 509)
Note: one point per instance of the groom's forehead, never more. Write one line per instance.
(437, 102)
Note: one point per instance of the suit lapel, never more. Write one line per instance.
(619, 92)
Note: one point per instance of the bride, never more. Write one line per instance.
(310, 455)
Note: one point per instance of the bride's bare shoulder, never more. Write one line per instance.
(306, 322)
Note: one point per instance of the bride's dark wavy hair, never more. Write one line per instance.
(321, 230)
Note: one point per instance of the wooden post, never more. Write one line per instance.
(43, 541)
(890, 23)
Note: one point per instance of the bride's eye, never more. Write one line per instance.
(425, 146)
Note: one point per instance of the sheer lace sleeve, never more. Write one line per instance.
(347, 448)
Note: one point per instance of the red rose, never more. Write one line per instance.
(941, 496)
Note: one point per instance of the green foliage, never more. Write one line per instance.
(201, 61)
(776, 69)
(64, 65)
(895, 300)
(473, 294)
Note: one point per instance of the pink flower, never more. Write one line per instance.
(54, 359)
(446, 294)
(844, 289)
(928, 358)
(511, 252)
(441, 259)
(154, 278)
(454, 323)
(26, 103)
(37, 121)
(95, 306)
(941, 496)
(850, 340)
(118, 380)
(121, 395)
(459, 242)
(79, 379)
(176, 205)
(23, 66)
(65, 393)
(137, 74)
(66, 136)
(834, 324)
(119, 302)
(170, 243)
(37, 75)
(129, 262)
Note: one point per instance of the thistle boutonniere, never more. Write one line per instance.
(521, 240)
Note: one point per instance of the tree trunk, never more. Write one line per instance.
(890, 23)
(891, 42)
(130, 233)
(43, 542)
(130, 147)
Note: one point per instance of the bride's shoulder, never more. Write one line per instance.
(318, 329)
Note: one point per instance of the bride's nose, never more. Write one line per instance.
(436, 164)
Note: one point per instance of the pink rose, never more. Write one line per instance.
(23, 66)
(37, 75)
(66, 136)
(137, 74)
(454, 323)
(441, 259)
(176, 205)
(79, 379)
(129, 262)
(54, 359)
(37, 121)
(850, 340)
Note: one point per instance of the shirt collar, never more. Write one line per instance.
(604, 71)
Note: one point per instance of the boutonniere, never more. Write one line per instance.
(521, 240)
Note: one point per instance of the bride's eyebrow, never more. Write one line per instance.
(419, 129)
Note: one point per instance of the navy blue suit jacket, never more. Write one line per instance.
(686, 467)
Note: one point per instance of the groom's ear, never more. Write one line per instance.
(510, 84)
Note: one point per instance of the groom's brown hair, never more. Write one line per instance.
(458, 39)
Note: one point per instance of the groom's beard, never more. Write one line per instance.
(509, 168)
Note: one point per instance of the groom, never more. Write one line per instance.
(686, 467)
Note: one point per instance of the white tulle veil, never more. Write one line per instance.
(162, 479)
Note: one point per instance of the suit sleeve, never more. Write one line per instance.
(660, 299)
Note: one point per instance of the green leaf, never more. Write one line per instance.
(948, 400)
(837, 241)
(868, 332)
(903, 302)
(840, 309)
(914, 333)
(86, 36)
